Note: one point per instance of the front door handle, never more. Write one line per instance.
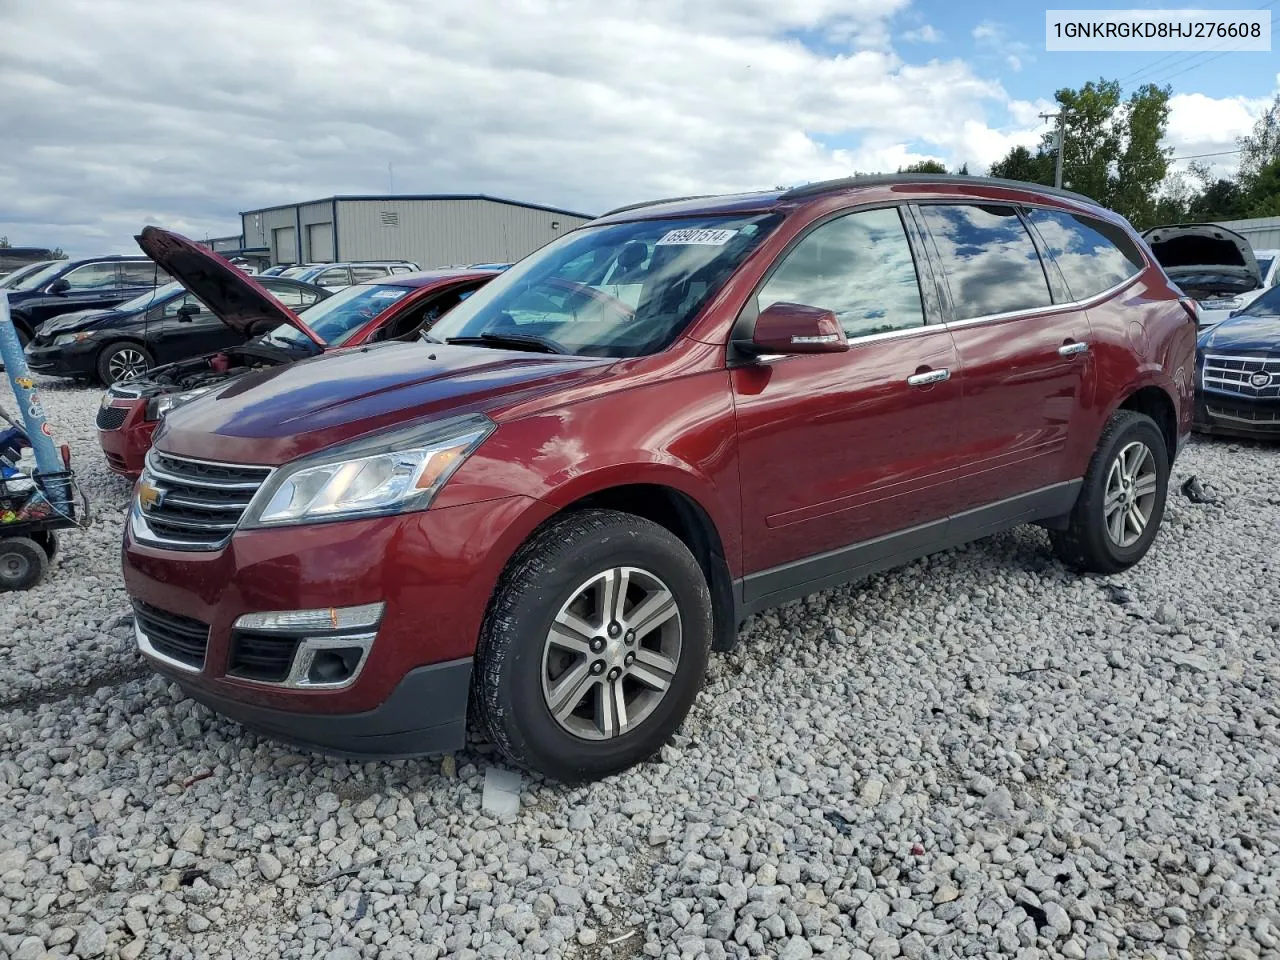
(928, 376)
(1071, 349)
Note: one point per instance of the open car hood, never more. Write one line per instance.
(233, 296)
(1207, 261)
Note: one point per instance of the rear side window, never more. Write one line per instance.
(991, 264)
(337, 277)
(290, 295)
(1093, 255)
(859, 267)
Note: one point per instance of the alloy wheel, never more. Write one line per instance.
(1130, 494)
(126, 363)
(612, 653)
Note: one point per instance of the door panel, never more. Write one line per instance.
(171, 337)
(1021, 355)
(835, 449)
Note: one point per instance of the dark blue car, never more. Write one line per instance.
(65, 286)
(1238, 372)
(156, 327)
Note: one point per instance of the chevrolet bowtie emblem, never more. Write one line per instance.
(149, 495)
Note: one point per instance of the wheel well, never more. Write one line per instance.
(1157, 405)
(685, 518)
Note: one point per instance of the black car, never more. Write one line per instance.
(1238, 372)
(159, 326)
(69, 285)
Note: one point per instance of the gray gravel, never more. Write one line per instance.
(979, 755)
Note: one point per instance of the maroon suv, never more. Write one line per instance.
(585, 477)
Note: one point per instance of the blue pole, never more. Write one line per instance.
(15, 364)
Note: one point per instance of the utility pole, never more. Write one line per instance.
(1061, 117)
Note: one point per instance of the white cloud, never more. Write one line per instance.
(119, 116)
(992, 39)
(925, 34)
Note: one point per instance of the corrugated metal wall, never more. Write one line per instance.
(1262, 232)
(260, 224)
(437, 233)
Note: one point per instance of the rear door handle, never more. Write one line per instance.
(928, 377)
(1071, 349)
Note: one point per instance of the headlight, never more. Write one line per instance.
(157, 407)
(386, 474)
(62, 339)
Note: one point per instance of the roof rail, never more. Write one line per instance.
(654, 203)
(884, 179)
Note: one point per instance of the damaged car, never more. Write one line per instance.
(1238, 372)
(398, 307)
(1214, 266)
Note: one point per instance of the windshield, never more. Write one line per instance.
(11, 280)
(1267, 305)
(620, 290)
(41, 277)
(1264, 265)
(334, 320)
(142, 301)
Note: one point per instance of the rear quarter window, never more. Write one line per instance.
(1093, 255)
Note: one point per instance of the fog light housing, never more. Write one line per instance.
(304, 649)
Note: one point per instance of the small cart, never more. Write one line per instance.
(36, 498)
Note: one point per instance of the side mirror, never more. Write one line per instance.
(59, 286)
(795, 328)
(187, 311)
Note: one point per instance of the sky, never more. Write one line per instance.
(119, 113)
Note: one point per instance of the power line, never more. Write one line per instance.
(1152, 71)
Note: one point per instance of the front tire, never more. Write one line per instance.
(1122, 502)
(594, 646)
(121, 361)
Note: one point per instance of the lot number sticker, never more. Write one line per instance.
(706, 238)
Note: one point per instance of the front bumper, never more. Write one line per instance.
(1228, 416)
(124, 434)
(64, 360)
(435, 570)
(396, 729)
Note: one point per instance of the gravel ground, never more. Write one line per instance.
(978, 755)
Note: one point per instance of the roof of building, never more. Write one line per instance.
(423, 196)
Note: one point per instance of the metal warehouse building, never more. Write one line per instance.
(1263, 233)
(432, 230)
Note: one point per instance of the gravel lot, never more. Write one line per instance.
(979, 755)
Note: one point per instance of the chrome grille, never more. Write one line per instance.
(1235, 375)
(111, 418)
(190, 504)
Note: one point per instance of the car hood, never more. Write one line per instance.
(1244, 333)
(234, 297)
(276, 415)
(1207, 261)
(76, 321)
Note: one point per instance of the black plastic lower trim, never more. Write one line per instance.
(768, 588)
(426, 713)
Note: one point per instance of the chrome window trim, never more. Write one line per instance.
(1047, 309)
(145, 647)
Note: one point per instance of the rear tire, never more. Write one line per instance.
(22, 563)
(122, 360)
(632, 622)
(1121, 504)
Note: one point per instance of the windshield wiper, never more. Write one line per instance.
(516, 341)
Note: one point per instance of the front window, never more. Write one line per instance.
(40, 277)
(142, 301)
(93, 276)
(334, 320)
(1267, 305)
(620, 290)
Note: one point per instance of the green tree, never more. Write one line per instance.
(1262, 147)
(1135, 180)
(963, 171)
(1021, 164)
(4, 243)
(1262, 198)
(924, 166)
